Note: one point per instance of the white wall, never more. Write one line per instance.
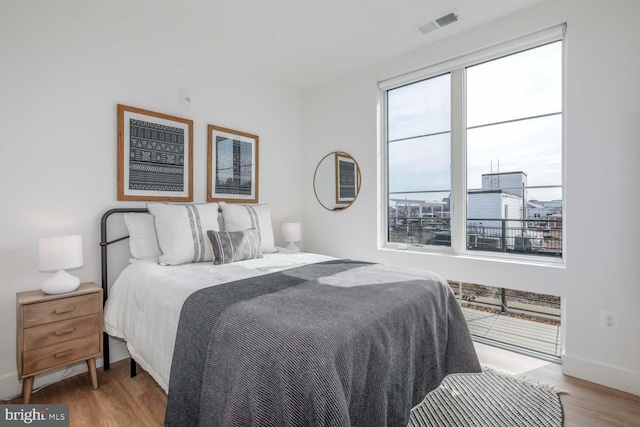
(602, 150)
(65, 66)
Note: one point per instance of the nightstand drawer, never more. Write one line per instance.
(60, 309)
(60, 354)
(57, 332)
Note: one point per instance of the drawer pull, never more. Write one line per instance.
(65, 310)
(64, 331)
(64, 353)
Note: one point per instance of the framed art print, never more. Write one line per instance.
(232, 166)
(347, 178)
(155, 156)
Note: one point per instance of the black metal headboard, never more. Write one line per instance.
(103, 250)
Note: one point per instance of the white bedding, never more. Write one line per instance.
(144, 303)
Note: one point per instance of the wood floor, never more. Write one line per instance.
(585, 404)
(139, 401)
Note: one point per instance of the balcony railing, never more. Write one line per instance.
(508, 300)
(539, 236)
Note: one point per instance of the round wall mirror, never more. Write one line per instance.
(336, 181)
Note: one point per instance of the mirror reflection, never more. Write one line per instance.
(336, 181)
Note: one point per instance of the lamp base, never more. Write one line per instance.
(292, 247)
(60, 283)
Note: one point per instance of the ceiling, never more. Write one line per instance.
(308, 42)
(304, 42)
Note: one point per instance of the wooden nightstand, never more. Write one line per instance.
(58, 330)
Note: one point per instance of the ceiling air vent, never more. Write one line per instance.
(446, 19)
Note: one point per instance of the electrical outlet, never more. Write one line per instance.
(608, 320)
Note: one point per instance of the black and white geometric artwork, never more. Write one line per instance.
(347, 183)
(155, 156)
(347, 171)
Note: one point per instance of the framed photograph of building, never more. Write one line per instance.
(347, 178)
(232, 166)
(155, 156)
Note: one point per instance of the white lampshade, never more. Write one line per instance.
(57, 254)
(291, 233)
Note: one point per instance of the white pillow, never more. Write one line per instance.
(238, 217)
(182, 231)
(143, 242)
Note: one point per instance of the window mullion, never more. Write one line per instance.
(383, 169)
(458, 163)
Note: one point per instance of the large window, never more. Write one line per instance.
(474, 153)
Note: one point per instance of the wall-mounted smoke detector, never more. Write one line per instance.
(442, 20)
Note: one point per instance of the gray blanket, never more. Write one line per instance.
(340, 343)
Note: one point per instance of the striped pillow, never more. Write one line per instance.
(181, 231)
(238, 217)
(232, 246)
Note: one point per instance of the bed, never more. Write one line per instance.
(288, 338)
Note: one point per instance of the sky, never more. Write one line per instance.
(519, 86)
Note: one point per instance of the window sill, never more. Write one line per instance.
(477, 256)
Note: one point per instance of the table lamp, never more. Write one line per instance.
(291, 233)
(57, 254)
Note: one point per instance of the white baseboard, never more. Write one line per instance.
(11, 386)
(609, 376)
